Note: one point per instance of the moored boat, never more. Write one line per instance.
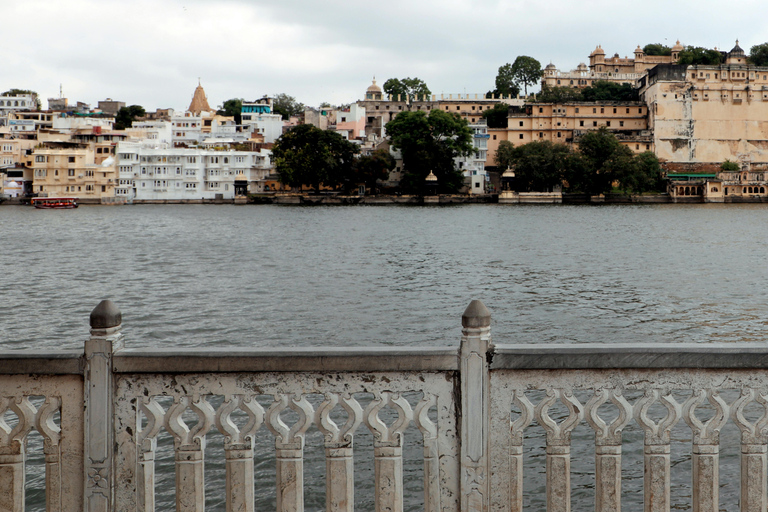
(54, 202)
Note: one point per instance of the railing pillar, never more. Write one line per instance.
(105, 340)
(475, 344)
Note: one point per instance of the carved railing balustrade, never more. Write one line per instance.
(478, 419)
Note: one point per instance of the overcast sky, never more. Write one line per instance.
(152, 52)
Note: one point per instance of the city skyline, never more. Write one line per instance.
(153, 54)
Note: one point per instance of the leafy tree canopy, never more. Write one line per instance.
(728, 165)
(657, 49)
(558, 94)
(430, 143)
(526, 71)
(497, 116)
(370, 168)
(307, 155)
(539, 166)
(506, 82)
(232, 108)
(286, 106)
(600, 90)
(699, 56)
(603, 90)
(411, 88)
(127, 115)
(758, 55)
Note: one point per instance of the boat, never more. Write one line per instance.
(54, 202)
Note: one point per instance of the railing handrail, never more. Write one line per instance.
(630, 356)
(65, 362)
(286, 360)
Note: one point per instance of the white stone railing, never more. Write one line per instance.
(101, 413)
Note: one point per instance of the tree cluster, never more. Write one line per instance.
(600, 90)
(410, 88)
(655, 49)
(523, 72)
(496, 117)
(286, 106)
(697, 55)
(758, 55)
(430, 143)
(600, 163)
(307, 155)
(127, 115)
(232, 108)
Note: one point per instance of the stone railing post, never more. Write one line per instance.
(105, 340)
(475, 344)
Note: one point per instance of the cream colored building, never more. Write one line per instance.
(72, 170)
(616, 69)
(707, 114)
(566, 122)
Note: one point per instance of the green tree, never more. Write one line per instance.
(657, 49)
(430, 143)
(505, 155)
(699, 56)
(307, 155)
(558, 94)
(369, 169)
(758, 55)
(526, 71)
(539, 166)
(411, 88)
(506, 81)
(286, 106)
(127, 115)
(232, 108)
(728, 165)
(603, 90)
(646, 176)
(21, 92)
(603, 157)
(497, 116)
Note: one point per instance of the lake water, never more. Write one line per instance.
(239, 276)
(200, 275)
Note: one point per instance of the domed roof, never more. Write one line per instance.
(678, 47)
(582, 67)
(373, 87)
(240, 177)
(431, 177)
(736, 50)
(598, 51)
(550, 66)
(638, 49)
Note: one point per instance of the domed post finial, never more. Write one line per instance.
(474, 363)
(98, 388)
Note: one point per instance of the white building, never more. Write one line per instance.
(70, 124)
(187, 129)
(258, 117)
(181, 174)
(158, 132)
(473, 166)
(16, 103)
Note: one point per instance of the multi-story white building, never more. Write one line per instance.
(473, 166)
(186, 174)
(258, 117)
(187, 129)
(16, 103)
